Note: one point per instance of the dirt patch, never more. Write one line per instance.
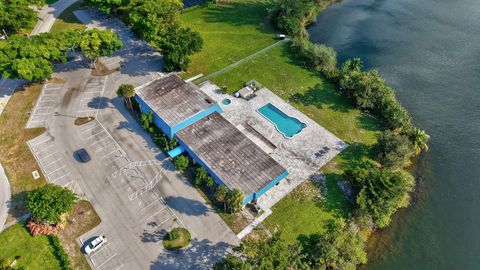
(102, 70)
(83, 120)
(80, 220)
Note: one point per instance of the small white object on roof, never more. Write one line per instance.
(245, 92)
(35, 174)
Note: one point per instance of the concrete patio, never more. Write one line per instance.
(302, 156)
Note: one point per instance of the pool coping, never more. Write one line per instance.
(276, 126)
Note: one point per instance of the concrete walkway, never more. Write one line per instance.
(5, 196)
(254, 224)
(48, 14)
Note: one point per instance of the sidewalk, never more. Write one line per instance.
(5, 197)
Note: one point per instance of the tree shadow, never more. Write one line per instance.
(201, 254)
(17, 205)
(355, 155)
(153, 237)
(320, 96)
(368, 122)
(187, 206)
(99, 103)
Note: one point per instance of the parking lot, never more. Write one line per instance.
(91, 97)
(52, 161)
(45, 106)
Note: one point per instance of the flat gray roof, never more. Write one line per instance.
(233, 157)
(173, 99)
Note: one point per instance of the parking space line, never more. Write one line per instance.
(58, 178)
(61, 167)
(50, 163)
(155, 213)
(48, 155)
(44, 141)
(164, 221)
(93, 135)
(48, 146)
(102, 139)
(149, 205)
(116, 149)
(121, 266)
(100, 250)
(90, 128)
(107, 260)
(102, 147)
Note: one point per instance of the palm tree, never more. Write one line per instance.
(127, 91)
(235, 200)
(419, 139)
(221, 195)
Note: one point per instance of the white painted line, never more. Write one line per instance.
(117, 159)
(100, 250)
(44, 141)
(93, 135)
(100, 140)
(81, 111)
(56, 179)
(90, 128)
(103, 147)
(37, 114)
(155, 213)
(43, 107)
(121, 266)
(48, 155)
(109, 153)
(164, 221)
(50, 163)
(48, 146)
(37, 120)
(107, 260)
(61, 167)
(149, 205)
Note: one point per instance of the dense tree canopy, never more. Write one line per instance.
(49, 202)
(340, 247)
(107, 6)
(393, 149)
(380, 192)
(31, 58)
(316, 56)
(16, 14)
(178, 46)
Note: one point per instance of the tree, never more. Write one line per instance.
(107, 6)
(293, 16)
(201, 175)
(273, 253)
(127, 91)
(49, 202)
(181, 163)
(316, 56)
(15, 15)
(234, 200)
(393, 149)
(177, 46)
(380, 192)
(221, 195)
(419, 139)
(231, 263)
(154, 19)
(340, 247)
(96, 43)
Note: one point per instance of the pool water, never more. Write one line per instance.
(226, 101)
(288, 126)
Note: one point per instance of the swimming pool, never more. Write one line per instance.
(288, 126)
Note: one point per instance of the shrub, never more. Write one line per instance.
(393, 149)
(60, 253)
(174, 234)
(181, 163)
(316, 56)
(234, 200)
(50, 201)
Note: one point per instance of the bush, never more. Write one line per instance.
(177, 238)
(49, 202)
(174, 234)
(316, 56)
(181, 163)
(60, 253)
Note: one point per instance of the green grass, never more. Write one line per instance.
(36, 252)
(67, 20)
(182, 241)
(299, 215)
(230, 31)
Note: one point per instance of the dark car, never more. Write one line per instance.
(83, 155)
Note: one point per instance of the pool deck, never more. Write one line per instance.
(302, 156)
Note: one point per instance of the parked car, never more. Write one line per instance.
(281, 36)
(95, 244)
(83, 155)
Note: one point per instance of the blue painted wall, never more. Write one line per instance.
(176, 151)
(144, 108)
(269, 186)
(194, 118)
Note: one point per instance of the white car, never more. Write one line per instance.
(95, 244)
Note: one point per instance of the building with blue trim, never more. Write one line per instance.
(182, 110)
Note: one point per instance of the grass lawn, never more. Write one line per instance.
(231, 31)
(15, 155)
(182, 241)
(36, 252)
(67, 19)
(85, 218)
(301, 213)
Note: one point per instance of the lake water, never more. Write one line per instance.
(429, 50)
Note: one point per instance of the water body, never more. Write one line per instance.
(429, 51)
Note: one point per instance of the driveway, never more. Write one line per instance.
(132, 185)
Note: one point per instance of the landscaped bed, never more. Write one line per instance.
(177, 238)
